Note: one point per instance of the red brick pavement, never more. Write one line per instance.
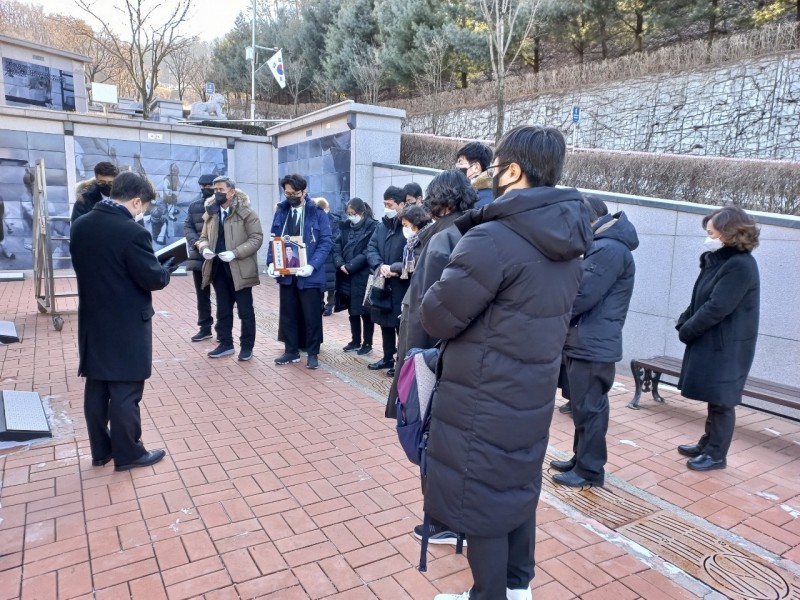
(287, 483)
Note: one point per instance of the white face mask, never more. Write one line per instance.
(140, 217)
(408, 232)
(713, 244)
(389, 213)
(354, 219)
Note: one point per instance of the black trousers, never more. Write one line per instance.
(389, 338)
(589, 383)
(204, 318)
(502, 562)
(298, 305)
(227, 296)
(355, 328)
(720, 422)
(330, 299)
(116, 402)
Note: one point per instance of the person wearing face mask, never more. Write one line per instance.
(300, 312)
(414, 219)
(330, 268)
(117, 272)
(90, 192)
(352, 274)
(594, 342)
(413, 192)
(192, 228)
(229, 242)
(385, 255)
(473, 159)
(720, 328)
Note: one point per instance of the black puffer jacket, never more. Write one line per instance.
(720, 328)
(386, 248)
(599, 312)
(502, 308)
(330, 267)
(350, 251)
(192, 228)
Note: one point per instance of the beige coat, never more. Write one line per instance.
(243, 237)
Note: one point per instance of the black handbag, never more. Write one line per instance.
(378, 295)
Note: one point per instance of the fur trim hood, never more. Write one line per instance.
(83, 186)
(482, 182)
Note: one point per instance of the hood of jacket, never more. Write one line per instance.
(84, 185)
(482, 182)
(616, 227)
(553, 220)
(239, 199)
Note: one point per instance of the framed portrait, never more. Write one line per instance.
(288, 254)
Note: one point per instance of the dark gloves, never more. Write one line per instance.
(170, 265)
(684, 336)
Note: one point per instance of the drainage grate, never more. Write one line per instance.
(22, 417)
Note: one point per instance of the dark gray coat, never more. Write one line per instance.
(720, 328)
(330, 268)
(192, 228)
(600, 308)
(386, 248)
(350, 251)
(502, 308)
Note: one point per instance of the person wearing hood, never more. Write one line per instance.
(385, 256)
(502, 308)
(300, 312)
(90, 192)
(192, 228)
(473, 159)
(229, 242)
(594, 342)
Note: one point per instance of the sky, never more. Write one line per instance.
(209, 19)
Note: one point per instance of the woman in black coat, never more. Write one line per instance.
(385, 253)
(352, 272)
(330, 267)
(719, 329)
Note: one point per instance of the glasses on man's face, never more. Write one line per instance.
(497, 169)
(294, 195)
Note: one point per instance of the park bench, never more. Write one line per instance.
(647, 374)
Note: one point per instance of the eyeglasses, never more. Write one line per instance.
(295, 195)
(496, 169)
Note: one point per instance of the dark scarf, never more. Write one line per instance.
(116, 205)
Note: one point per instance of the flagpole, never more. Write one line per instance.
(253, 70)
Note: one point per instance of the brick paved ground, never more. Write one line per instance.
(287, 483)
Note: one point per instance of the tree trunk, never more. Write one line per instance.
(501, 106)
(639, 32)
(712, 23)
(537, 52)
(603, 38)
(464, 81)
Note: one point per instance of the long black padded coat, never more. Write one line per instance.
(502, 308)
(720, 328)
(350, 251)
(192, 228)
(386, 248)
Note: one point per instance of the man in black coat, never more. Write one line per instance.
(473, 159)
(90, 192)
(502, 308)
(192, 228)
(116, 272)
(594, 344)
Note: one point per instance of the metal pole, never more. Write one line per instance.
(253, 69)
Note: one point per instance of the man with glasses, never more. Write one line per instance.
(502, 308)
(473, 159)
(300, 312)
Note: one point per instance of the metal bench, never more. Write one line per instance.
(647, 374)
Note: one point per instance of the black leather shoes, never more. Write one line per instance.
(572, 479)
(565, 409)
(148, 459)
(390, 372)
(690, 450)
(312, 362)
(705, 463)
(102, 461)
(384, 363)
(563, 465)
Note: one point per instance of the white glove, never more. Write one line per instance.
(226, 256)
(305, 271)
(207, 253)
(271, 271)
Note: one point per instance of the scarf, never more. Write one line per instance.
(408, 257)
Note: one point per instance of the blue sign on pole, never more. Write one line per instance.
(576, 114)
(209, 88)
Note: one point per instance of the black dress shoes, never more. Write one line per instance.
(572, 479)
(148, 459)
(690, 450)
(384, 363)
(565, 409)
(102, 461)
(563, 465)
(705, 463)
(313, 362)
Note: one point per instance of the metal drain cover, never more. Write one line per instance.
(22, 417)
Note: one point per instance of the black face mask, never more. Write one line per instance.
(464, 171)
(497, 189)
(206, 193)
(220, 198)
(294, 201)
(105, 188)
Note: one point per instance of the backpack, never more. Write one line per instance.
(416, 384)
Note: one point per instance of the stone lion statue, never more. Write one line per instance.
(212, 107)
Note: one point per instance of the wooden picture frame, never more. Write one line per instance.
(288, 254)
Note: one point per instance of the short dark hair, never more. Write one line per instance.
(736, 226)
(476, 152)
(394, 193)
(597, 208)
(129, 185)
(412, 189)
(226, 180)
(538, 150)
(450, 190)
(298, 182)
(360, 207)
(415, 215)
(106, 169)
